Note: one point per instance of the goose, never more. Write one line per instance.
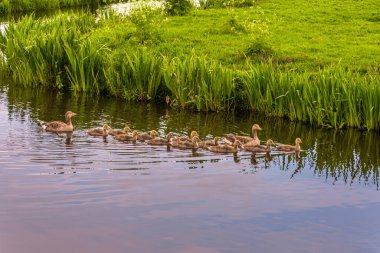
(126, 137)
(259, 148)
(187, 144)
(255, 141)
(144, 136)
(114, 132)
(225, 148)
(59, 126)
(207, 143)
(245, 139)
(160, 141)
(99, 131)
(290, 148)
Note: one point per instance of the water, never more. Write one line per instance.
(86, 194)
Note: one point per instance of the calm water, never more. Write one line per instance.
(91, 195)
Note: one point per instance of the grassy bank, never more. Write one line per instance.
(144, 61)
(17, 6)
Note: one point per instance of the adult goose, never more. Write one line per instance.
(59, 126)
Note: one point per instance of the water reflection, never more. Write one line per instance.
(334, 155)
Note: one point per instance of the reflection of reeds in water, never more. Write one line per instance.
(349, 155)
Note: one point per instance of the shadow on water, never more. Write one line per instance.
(335, 155)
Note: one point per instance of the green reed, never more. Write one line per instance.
(333, 98)
(196, 82)
(63, 53)
(137, 75)
(53, 52)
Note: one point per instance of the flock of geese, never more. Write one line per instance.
(230, 143)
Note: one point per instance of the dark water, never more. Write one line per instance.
(90, 195)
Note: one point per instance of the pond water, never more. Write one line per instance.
(86, 194)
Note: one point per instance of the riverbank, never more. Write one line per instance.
(8, 7)
(201, 61)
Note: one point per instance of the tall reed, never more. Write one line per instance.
(334, 98)
(53, 52)
(199, 83)
(137, 76)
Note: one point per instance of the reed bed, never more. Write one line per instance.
(61, 52)
(334, 98)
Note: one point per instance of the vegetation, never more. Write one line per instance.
(147, 56)
(178, 7)
(225, 3)
(16, 6)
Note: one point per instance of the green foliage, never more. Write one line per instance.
(333, 98)
(198, 83)
(226, 3)
(135, 76)
(178, 7)
(146, 17)
(52, 51)
(18, 6)
(4, 7)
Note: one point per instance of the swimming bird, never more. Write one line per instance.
(114, 132)
(259, 148)
(254, 140)
(144, 136)
(188, 144)
(160, 141)
(99, 131)
(208, 143)
(59, 126)
(225, 148)
(127, 137)
(290, 148)
(186, 138)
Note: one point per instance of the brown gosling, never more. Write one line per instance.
(99, 131)
(127, 137)
(188, 144)
(208, 143)
(261, 148)
(59, 126)
(114, 132)
(160, 141)
(144, 136)
(186, 138)
(290, 148)
(226, 148)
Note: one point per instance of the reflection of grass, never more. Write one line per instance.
(348, 155)
(337, 155)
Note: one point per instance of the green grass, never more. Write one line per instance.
(22, 6)
(303, 34)
(201, 61)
